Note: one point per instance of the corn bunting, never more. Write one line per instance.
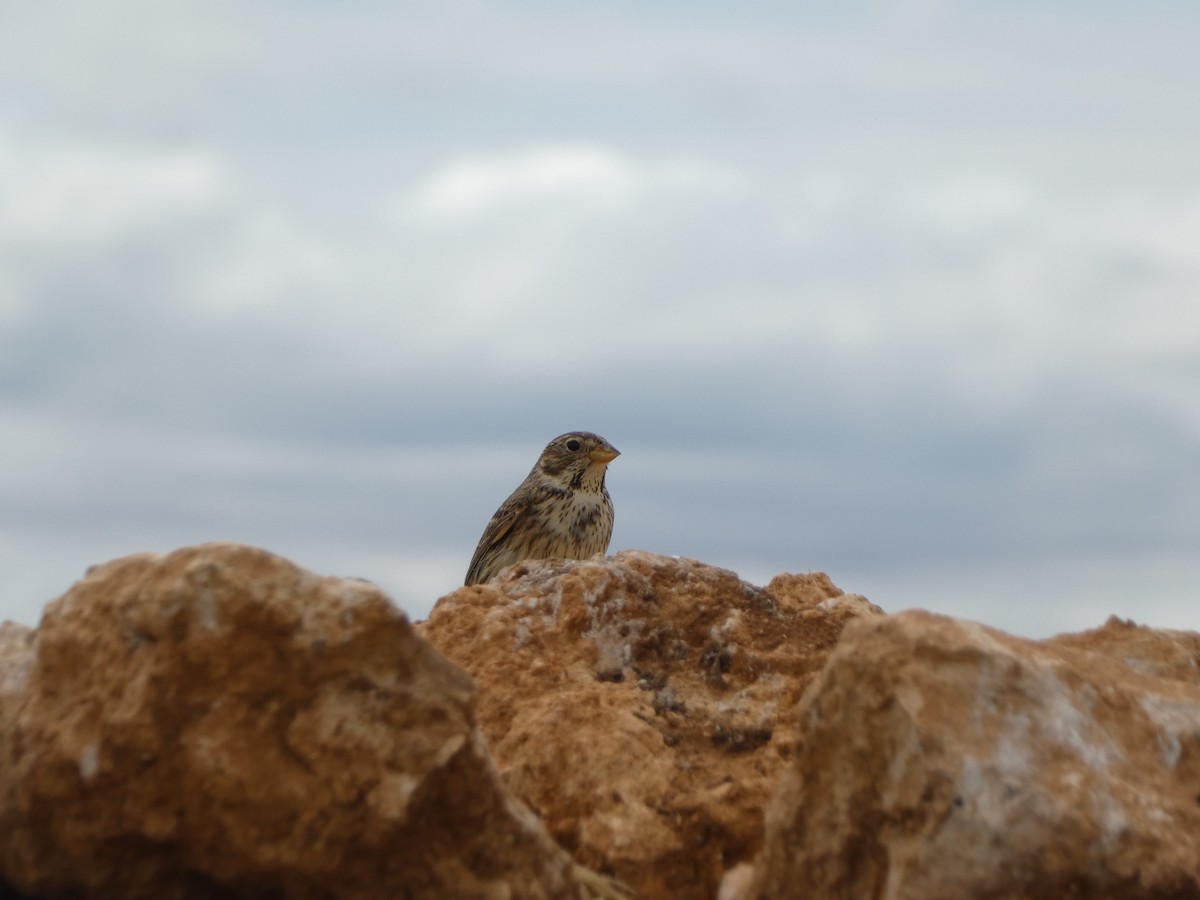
(561, 509)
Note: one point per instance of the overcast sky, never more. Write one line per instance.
(906, 292)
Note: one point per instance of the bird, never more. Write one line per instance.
(561, 510)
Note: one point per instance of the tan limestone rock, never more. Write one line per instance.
(644, 705)
(940, 760)
(16, 658)
(218, 722)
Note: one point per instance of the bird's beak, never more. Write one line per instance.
(603, 455)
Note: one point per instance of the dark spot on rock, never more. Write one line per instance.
(666, 701)
(740, 740)
(761, 601)
(716, 659)
(647, 680)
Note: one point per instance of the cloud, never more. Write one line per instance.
(66, 204)
(473, 186)
(592, 177)
(325, 280)
(75, 194)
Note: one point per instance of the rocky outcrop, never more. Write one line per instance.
(944, 760)
(644, 705)
(218, 722)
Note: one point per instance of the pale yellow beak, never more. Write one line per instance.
(603, 454)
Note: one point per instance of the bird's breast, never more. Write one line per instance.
(579, 523)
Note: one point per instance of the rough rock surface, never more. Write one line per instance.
(644, 705)
(218, 722)
(944, 760)
(16, 658)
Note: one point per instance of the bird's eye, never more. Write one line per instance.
(573, 444)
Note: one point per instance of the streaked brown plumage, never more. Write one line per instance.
(561, 509)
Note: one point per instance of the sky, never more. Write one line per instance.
(907, 293)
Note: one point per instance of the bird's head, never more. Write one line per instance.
(576, 457)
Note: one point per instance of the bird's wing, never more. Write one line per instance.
(494, 537)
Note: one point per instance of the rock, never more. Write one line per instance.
(644, 705)
(941, 759)
(16, 658)
(218, 722)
